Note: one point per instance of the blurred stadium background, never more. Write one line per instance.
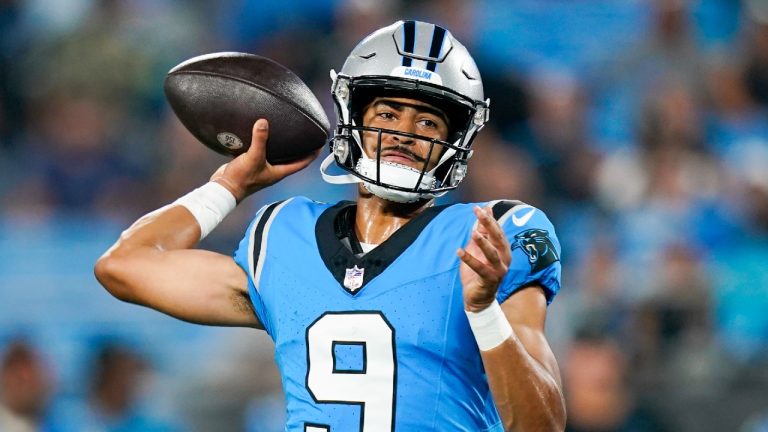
(639, 126)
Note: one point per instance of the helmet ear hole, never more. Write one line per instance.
(341, 148)
(459, 171)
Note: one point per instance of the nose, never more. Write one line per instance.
(406, 124)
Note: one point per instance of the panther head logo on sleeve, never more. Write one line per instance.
(536, 244)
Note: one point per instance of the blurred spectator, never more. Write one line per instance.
(354, 19)
(457, 15)
(114, 397)
(757, 423)
(673, 337)
(756, 29)
(596, 300)
(25, 388)
(736, 119)
(93, 90)
(669, 53)
(244, 25)
(661, 192)
(597, 391)
(559, 138)
(187, 163)
(239, 389)
(501, 169)
(102, 58)
(76, 166)
(738, 133)
(14, 40)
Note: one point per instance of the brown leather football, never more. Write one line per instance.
(219, 96)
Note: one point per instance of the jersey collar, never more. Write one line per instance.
(340, 249)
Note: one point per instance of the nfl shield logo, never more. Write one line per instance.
(353, 279)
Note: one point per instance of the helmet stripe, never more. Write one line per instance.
(437, 45)
(409, 38)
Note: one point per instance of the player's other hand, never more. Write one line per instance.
(484, 261)
(251, 172)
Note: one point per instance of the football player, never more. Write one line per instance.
(387, 313)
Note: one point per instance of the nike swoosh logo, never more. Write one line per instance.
(520, 221)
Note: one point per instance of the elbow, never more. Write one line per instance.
(552, 418)
(110, 273)
(556, 423)
(548, 417)
(553, 424)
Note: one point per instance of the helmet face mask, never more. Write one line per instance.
(386, 65)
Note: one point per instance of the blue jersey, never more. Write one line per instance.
(380, 341)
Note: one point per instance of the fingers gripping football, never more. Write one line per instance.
(251, 172)
(484, 261)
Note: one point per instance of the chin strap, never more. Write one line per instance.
(336, 179)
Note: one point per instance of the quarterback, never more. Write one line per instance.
(388, 313)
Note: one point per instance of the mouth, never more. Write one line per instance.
(400, 156)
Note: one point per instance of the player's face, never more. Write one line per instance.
(410, 116)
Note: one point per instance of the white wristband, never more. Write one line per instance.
(490, 326)
(209, 204)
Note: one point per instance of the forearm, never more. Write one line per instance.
(144, 244)
(521, 368)
(182, 224)
(168, 228)
(154, 264)
(522, 371)
(526, 394)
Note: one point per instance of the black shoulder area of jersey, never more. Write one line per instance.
(340, 249)
(258, 231)
(503, 206)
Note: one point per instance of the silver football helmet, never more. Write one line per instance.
(416, 60)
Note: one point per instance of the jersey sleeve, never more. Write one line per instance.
(247, 256)
(535, 249)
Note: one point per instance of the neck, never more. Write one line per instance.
(376, 218)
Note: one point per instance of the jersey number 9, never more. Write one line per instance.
(371, 385)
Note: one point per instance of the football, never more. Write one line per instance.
(219, 96)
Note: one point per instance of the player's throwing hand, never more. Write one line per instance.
(484, 261)
(251, 172)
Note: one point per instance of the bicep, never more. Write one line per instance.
(193, 285)
(526, 312)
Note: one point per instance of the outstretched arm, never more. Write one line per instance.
(154, 264)
(522, 371)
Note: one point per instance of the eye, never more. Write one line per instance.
(386, 115)
(431, 124)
